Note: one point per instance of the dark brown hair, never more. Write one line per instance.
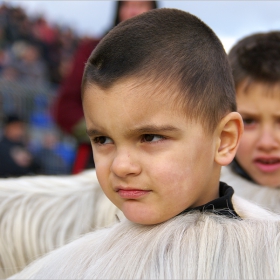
(175, 48)
(256, 57)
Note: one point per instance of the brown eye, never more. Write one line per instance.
(152, 137)
(249, 121)
(102, 140)
(148, 137)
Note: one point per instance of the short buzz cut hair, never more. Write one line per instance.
(257, 58)
(174, 48)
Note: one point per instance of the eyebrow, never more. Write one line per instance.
(153, 129)
(255, 115)
(146, 129)
(249, 114)
(93, 132)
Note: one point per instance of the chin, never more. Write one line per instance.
(143, 220)
(269, 183)
(273, 186)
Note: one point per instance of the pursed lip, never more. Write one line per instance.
(130, 192)
(267, 163)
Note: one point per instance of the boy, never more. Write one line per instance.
(159, 105)
(255, 172)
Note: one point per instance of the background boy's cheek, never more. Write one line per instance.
(244, 148)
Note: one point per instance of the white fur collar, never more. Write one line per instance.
(263, 196)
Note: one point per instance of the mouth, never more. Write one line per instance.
(267, 164)
(132, 193)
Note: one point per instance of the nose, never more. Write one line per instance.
(269, 139)
(125, 164)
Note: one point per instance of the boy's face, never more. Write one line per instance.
(15, 131)
(259, 149)
(151, 161)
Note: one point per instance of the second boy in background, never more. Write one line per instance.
(255, 171)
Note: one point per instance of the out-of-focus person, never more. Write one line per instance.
(67, 109)
(16, 160)
(255, 172)
(50, 162)
(28, 62)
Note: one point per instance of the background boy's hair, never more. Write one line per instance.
(172, 49)
(12, 118)
(256, 57)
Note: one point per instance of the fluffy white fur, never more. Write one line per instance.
(190, 246)
(263, 196)
(41, 213)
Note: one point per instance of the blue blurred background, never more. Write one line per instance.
(39, 38)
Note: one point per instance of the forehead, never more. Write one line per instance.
(248, 87)
(16, 124)
(133, 106)
(136, 94)
(258, 95)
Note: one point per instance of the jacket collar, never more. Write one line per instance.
(219, 206)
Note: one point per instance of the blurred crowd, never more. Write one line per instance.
(32, 49)
(35, 56)
(41, 68)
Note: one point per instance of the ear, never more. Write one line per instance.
(229, 132)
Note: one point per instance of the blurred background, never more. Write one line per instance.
(230, 20)
(38, 40)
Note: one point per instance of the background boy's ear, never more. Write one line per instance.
(229, 131)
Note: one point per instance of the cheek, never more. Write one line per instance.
(189, 163)
(144, 10)
(173, 175)
(174, 185)
(245, 147)
(102, 173)
(170, 170)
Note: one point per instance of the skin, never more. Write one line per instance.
(151, 161)
(131, 9)
(259, 149)
(15, 131)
